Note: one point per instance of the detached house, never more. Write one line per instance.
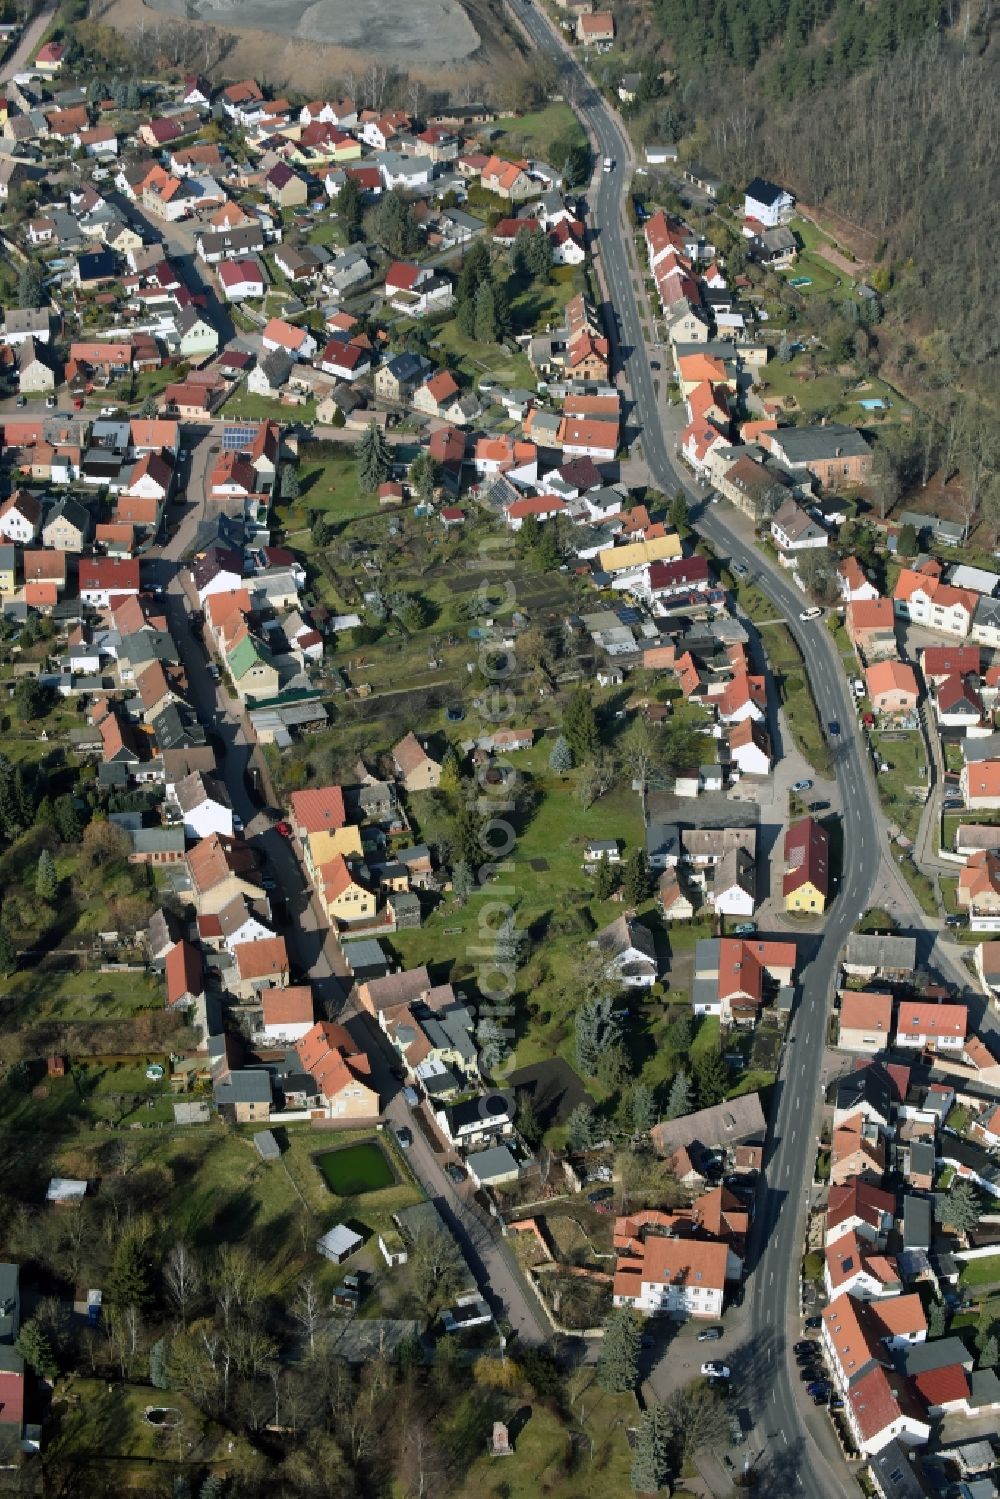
(795, 531)
(892, 687)
(297, 342)
(20, 517)
(507, 180)
(414, 766)
(865, 1021)
(595, 28)
(806, 883)
(931, 1027)
(871, 628)
(767, 203)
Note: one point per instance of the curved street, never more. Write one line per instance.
(783, 1441)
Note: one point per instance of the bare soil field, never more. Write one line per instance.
(314, 45)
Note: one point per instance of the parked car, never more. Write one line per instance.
(954, 921)
(820, 1388)
(715, 1367)
(819, 806)
(799, 786)
(836, 1402)
(744, 929)
(710, 1335)
(411, 1097)
(953, 802)
(813, 613)
(456, 1173)
(50, 401)
(603, 1194)
(740, 569)
(404, 1137)
(807, 1345)
(834, 727)
(814, 1323)
(282, 829)
(858, 686)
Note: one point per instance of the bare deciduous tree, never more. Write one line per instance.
(306, 1309)
(182, 1276)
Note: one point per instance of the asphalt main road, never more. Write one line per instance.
(23, 55)
(791, 1456)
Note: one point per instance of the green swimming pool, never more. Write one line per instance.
(355, 1169)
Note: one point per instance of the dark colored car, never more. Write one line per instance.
(834, 726)
(603, 1194)
(455, 1173)
(814, 1323)
(820, 1388)
(818, 806)
(806, 1346)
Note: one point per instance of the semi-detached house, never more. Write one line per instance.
(924, 599)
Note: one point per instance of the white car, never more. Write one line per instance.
(716, 1370)
(858, 687)
(108, 410)
(813, 613)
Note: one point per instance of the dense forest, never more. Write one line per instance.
(885, 114)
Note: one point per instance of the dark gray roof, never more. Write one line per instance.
(252, 1085)
(663, 840)
(937, 1353)
(881, 952)
(277, 366)
(763, 191)
(917, 1222)
(491, 1107)
(177, 730)
(987, 612)
(408, 367)
(868, 1085)
(812, 444)
(922, 1157)
(896, 1472)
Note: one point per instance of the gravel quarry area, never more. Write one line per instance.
(421, 32)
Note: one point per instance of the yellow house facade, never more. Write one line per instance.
(344, 899)
(807, 898)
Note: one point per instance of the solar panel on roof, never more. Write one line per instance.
(238, 439)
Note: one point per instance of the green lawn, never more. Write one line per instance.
(554, 901)
(984, 1272)
(543, 1461)
(796, 697)
(260, 408)
(328, 232)
(534, 134)
(475, 360)
(98, 1426)
(907, 757)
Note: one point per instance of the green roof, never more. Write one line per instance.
(246, 655)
